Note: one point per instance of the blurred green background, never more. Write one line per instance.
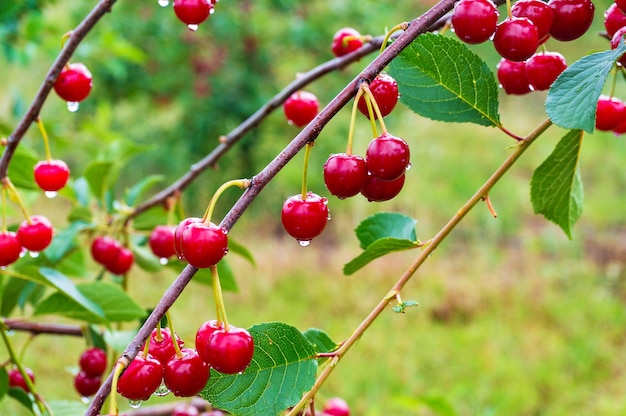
(514, 319)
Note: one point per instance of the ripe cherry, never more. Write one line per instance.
(186, 409)
(610, 112)
(543, 69)
(162, 346)
(193, 12)
(105, 250)
(387, 157)
(615, 40)
(614, 19)
(384, 88)
(93, 361)
(572, 18)
(516, 39)
(336, 406)
(122, 263)
(202, 245)
(305, 218)
(512, 77)
(74, 83)
(86, 385)
(17, 380)
(10, 248)
(203, 335)
(345, 175)
(161, 241)
(300, 108)
(51, 175)
(538, 12)
(474, 21)
(187, 374)
(621, 4)
(178, 234)
(346, 40)
(230, 352)
(141, 378)
(378, 190)
(35, 235)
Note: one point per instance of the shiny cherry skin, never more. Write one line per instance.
(610, 112)
(122, 263)
(202, 245)
(10, 248)
(187, 374)
(378, 190)
(572, 18)
(300, 108)
(105, 250)
(162, 346)
(186, 409)
(203, 335)
(178, 234)
(230, 352)
(538, 12)
(336, 406)
(346, 40)
(544, 68)
(36, 234)
(516, 39)
(93, 361)
(614, 19)
(74, 83)
(345, 175)
(51, 175)
(474, 21)
(86, 385)
(305, 219)
(161, 241)
(17, 380)
(141, 378)
(512, 77)
(621, 4)
(384, 88)
(387, 157)
(192, 12)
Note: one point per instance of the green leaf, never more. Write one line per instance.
(137, 190)
(572, 99)
(385, 224)
(97, 174)
(375, 250)
(64, 241)
(149, 219)
(321, 341)
(556, 190)
(282, 369)
(237, 248)
(22, 397)
(442, 79)
(21, 168)
(436, 404)
(119, 340)
(145, 259)
(67, 408)
(4, 382)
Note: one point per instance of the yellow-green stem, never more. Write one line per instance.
(4, 206)
(509, 13)
(383, 127)
(401, 26)
(305, 168)
(241, 183)
(355, 107)
(170, 325)
(46, 142)
(119, 367)
(219, 298)
(613, 81)
(370, 109)
(8, 185)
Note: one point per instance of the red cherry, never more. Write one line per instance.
(544, 68)
(621, 4)
(187, 374)
(162, 347)
(10, 248)
(51, 175)
(141, 378)
(93, 361)
(105, 250)
(305, 219)
(474, 21)
(74, 83)
(336, 406)
(35, 235)
(384, 88)
(512, 77)
(387, 157)
(192, 12)
(516, 39)
(86, 385)
(17, 380)
(203, 335)
(161, 241)
(203, 245)
(230, 352)
(346, 40)
(345, 175)
(378, 190)
(572, 18)
(610, 112)
(620, 128)
(186, 409)
(615, 40)
(538, 12)
(300, 108)
(614, 19)
(122, 263)
(178, 235)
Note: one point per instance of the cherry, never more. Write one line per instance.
(185, 409)
(86, 385)
(538, 12)
(614, 19)
(230, 352)
(141, 378)
(300, 108)
(621, 4)
(74, 83)
(305, 218)
(615, 40)
(384, 88)
(105, 250)
(378, 190)
(204, 334)
(93, 361)
(345, 175)
(193, 12)
(544, 68)
(161, 241)
(17, 380)
(387, 157)
(336, 406)
(122, 263)
(610, 112)
(474, 21)
(620, 128)
(35, 235)
(346, 40)
(572, 18)
(10, 248)
(202, 245)
(178, 235)
(162, 347)
(51, 175)
(516, 38)
(512, 77)
(187, 374)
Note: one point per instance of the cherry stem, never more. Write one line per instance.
(370, 109)
(490, 206)
(374, 104)
(305, 168)
(15, 195)
(170, 325)
(396, 28)
(159, 333)
(46, 141)
(355, 107)
(510, 133)
(508, 9)
(613, 81)
(241, 183)
(219, 298)
(4, 204)
(119, 367)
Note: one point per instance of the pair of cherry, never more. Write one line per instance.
(111, 254)
(16, 379)
(34, 234)
(92, 364)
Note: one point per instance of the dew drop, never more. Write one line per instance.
(329, 217)
(9, 332)
(51, 194)
(164, 3)
(163, 261)
(193, 28)
(34, 254)
(3, 267)
(134, 403)
(290, 122)
(304, 243)
(72, 106)
(85, 400)
(408, 166)
(162, 390)
(212, 10)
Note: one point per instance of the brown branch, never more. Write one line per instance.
(37, 328)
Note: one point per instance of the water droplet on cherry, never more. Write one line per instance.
(134, 403)
(72, 106)
(164, 3)
(34, 254)
(193, 28)
(163, 261)
(409, 166)
(212, 10)
(304, 243)
(85, 400)
(162, 390)
(51, 194)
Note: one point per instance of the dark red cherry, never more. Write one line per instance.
(192, 12)
(305, 218)
(384, 88)
(87, 385)
(161, 241)
(538, 12)
(141, 378)
(387, 157)
(300, 108)
(203, 335)
(203, 245)
(614, 19)
(621, 4)
(74, 83)
(378, 190)
(10, 248)
(36, 234)
(512, 77)
(162, 346)
(93, 361)
(178, 234)
(346, 40)
(17, 380)
(516, 39)
(615, 40)
(230, 352)
(122, 263)
(345, 175)
(610, 112)
(474, 21)
(572, 18)
(104, 249)
(185, 375)
(544, 68)
(51, 175)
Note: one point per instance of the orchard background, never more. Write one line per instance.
(513, 317)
